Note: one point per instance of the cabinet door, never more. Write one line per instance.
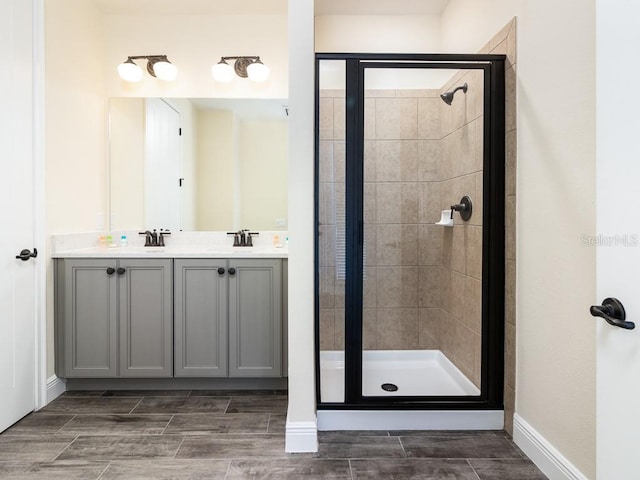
(88, 318)
(200, 328)
(255, 318)
(145, 307)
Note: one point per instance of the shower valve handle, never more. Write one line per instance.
(465, 207)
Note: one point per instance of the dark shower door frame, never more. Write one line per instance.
(493, 231)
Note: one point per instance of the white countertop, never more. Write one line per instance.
(174, 252)
(179, 245)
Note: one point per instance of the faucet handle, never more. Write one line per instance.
(148, 238)
(161, 236)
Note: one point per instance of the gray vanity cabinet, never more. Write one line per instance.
(87, 323)
(200, 329)
(255, 318)
(146, 317)
(114, 318)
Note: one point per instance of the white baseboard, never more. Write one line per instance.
(301, 437)
(55, 387)
(547, 458)
(410, 420)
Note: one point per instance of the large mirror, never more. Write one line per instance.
(198, 164)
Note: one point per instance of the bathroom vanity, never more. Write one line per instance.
(172, 313)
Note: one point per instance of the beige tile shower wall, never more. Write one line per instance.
(402, 246)
(504, 43)
(459, 174)
(331, 222)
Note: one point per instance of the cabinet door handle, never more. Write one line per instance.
(232, 271)
(221, 271)
(121, 271)
(111, 271)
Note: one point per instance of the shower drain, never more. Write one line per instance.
(389, 387)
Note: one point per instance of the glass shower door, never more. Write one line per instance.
(422, 267)
(409, 264)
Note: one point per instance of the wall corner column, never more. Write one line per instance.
(301, 428)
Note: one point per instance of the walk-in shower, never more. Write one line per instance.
(410, 238)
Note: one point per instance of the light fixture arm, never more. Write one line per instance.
(241, 64)
(151, 60)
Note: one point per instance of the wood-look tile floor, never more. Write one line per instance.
(232, 435)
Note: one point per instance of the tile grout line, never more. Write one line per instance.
(65, 448)
(474, 470)
(136, 406)
(67, 423)
(167, 425)
(226, 474)
(103, 471)
(404, 452)
(179, 446)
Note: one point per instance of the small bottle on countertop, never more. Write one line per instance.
(276, 241)
(123, 241)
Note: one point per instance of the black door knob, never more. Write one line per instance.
(111, 271)
(613, 312)
(232, 271)
(26, 254)
(121, 271)
(221, 271)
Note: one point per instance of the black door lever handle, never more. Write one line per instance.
(613, 312)
(26, 254)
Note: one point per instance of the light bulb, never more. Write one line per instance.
(258, 71)
(129, 71)
(165, 70)
(222, 72)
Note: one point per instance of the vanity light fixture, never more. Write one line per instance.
(245, 67)
(158, 66)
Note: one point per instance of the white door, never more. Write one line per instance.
(618, 228)
(163, 167)
(17, 280)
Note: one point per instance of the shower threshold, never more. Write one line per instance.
(413, 372)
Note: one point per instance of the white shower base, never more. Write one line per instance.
(414, 372)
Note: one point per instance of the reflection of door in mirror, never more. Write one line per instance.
(163, 167)
(233, 155)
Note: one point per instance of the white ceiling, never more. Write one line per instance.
(258, 7)
(246, 108)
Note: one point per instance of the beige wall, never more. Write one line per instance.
(75, 127)
(394, 33)
(194, 43)
(263, 153)
(556, 167)
(216, 160)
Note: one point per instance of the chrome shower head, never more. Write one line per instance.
(448, 96)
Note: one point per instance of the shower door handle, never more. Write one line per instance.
(613, 312)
